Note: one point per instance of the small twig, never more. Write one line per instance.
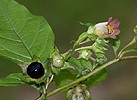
(82, 48)
(128, 51)
(128, 58)
(88, 40)
(77, 43)
(49, 81)
(93, 59)
(128, 45)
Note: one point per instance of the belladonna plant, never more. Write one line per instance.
(28, 40)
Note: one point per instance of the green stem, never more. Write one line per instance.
(90, 74)
(88, 40)
(128, 45)
(82, 78)
(70, 52)
(128, 58)
(82, 48)
(128, 51)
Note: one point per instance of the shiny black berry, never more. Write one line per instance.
(35, 70)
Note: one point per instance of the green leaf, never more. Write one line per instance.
(64, 77)
(82, 37)
(13, 79)
(101, 42)
(90, 29)
(76, 63)
(86, 64)
(99, 47)
(96, 79)
(23, 35)
(101, 58)
(115, 44)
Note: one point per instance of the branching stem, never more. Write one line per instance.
(90, 74)
(128, 45)
(82, 78)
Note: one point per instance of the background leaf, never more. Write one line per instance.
(76, 63)
(23, 35)
(96, 79)
(13, 79)
(86, 64)
(64, 77)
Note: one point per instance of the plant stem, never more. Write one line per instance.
(82, 48)
(128, 58)
(90, 74)
(82, 78)
(77, 43)
(128, 45)
(85, 42)
(128, 51)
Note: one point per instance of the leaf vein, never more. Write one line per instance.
(9, 21)
(10, 39)
(14, 52)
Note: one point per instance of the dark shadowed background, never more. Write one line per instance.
(64, 17)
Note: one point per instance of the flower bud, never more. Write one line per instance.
(58, 61)
(85, 54)
(78, 93)
(101, 30)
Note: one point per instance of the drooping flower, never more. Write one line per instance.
(107, 29)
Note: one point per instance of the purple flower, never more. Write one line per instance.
(107, 29)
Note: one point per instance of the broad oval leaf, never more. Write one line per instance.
(64, 77)
(13, 79)
(76, 63)
(23, 35)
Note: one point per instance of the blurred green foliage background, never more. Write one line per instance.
(64, 17)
